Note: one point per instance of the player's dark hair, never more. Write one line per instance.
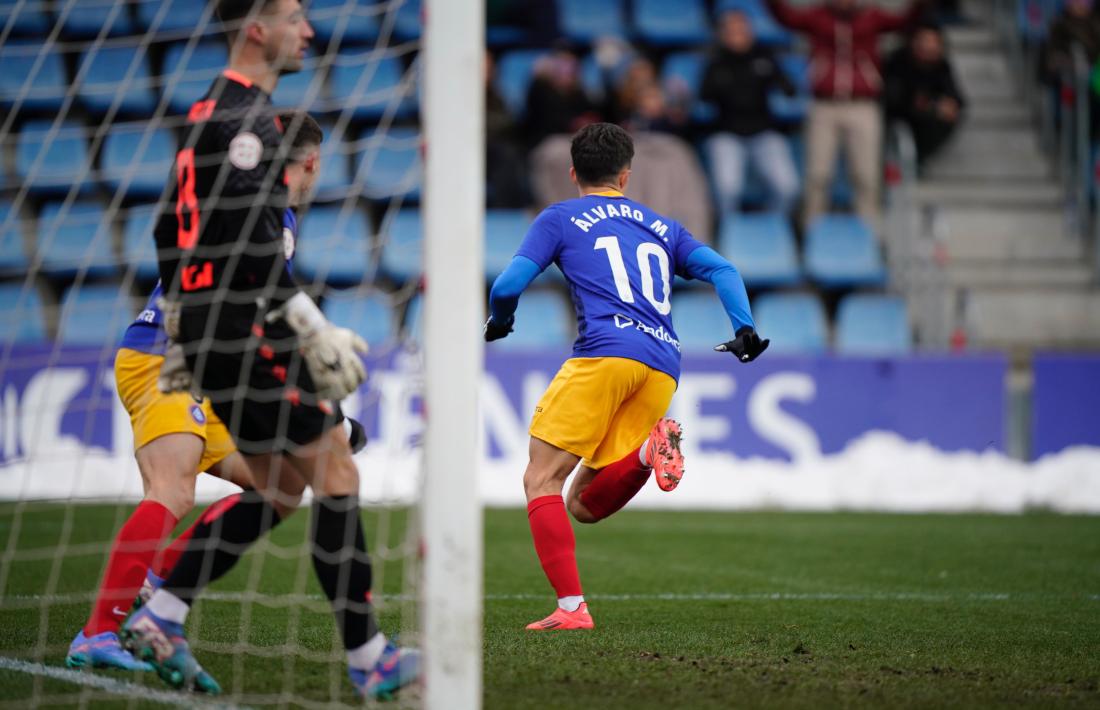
(231, 12)
(600, 151)
(302, 130)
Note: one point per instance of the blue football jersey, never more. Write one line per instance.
(619, 258)
(146, 335)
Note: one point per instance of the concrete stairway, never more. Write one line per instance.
(1012, 275)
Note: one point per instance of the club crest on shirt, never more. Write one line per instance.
(245, 150)
(197, 414)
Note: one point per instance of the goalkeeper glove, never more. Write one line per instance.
(174, 375)
(746, 345)
(170, 316)
(496, 331)
(331, 353)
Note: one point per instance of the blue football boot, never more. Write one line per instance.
(102, 651)
(395, 669)
(164, 644)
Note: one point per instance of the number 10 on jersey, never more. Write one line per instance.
(646, 251)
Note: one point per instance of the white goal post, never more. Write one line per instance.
(453, 120)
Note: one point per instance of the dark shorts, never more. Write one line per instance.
(258, 383)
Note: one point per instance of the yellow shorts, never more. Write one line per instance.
(154, 414)
(600, 408)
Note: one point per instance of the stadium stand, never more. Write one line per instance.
(762, 247)
(116, 77)
(135, 160)
(332, 23)
(334, 182)
(872, 324)
(332, 245)
(504, 230)
(544, 320)
(368, 314)
(52, 160)
(403, 250)
(175, 18)
(389, 164)
(25, 18)
(583, 21)
(701, 322)
(665, 23)
(89, 311)
(86, 19)
(841, 252)
(795, 322)
(513, 77)
(32, 80)
(188, 71)
(13, 257)
(138, 250)
(766, 29)
(22, 318)
(377, 84)
(75, 240)
(305, 89)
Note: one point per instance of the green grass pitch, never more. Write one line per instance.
(693, 610)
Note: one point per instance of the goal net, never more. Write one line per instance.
(93, 95)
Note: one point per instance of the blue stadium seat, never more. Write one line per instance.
(139, 250)
(370, 87)
(87, 18)
(504, 230)
(137, 160)
(334, 182)
(402, 245)
(765, 28)
(513, 77)
(354, 21)
(793, 109)
(544, 321)
(333, 245)
(94, 314)
(194, 75)
(407, 24)
(762, 247)
(75, 241)
(505, 36)
(795, 322)
(34, 83)
(304, 89)
(672, 22)
(587, 20)
(51, 165)
(22, 319)
(389, 164)
(102, 87)
(13, 256)
(841, 252)
(368, 314)
(33, 18)
(873, 324)
(180, 18)
(700, 320)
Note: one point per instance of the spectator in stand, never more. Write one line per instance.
(505, 172)
(737, 81)
(625, 94)
(654, 113)
(1077, 25)
(921, 91)
(847, 83)
(556, 101)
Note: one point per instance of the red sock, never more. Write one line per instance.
(614, 485)
(168, 556)
(555, 544)
(132, 554)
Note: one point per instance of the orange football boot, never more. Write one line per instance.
(562, 619)
(663, 453)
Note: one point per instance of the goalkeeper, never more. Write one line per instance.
(176, 438)
(605, 408)
(272, 366)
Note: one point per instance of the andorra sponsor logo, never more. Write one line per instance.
(622, 322)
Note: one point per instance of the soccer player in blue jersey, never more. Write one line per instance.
(605, 408)
(176, 438)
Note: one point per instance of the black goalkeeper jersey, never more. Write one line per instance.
(220, 236)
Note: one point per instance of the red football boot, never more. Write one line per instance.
(663, 453)
(562, 619)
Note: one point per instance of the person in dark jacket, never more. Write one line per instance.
(1077, 25)
(847, 85)
(922, 92)
(737, 81)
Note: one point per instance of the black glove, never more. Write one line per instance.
(357, 435)
(746, 345)
(496, 331)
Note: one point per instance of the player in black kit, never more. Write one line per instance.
(272, 365)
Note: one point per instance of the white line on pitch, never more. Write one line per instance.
(108, 685)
